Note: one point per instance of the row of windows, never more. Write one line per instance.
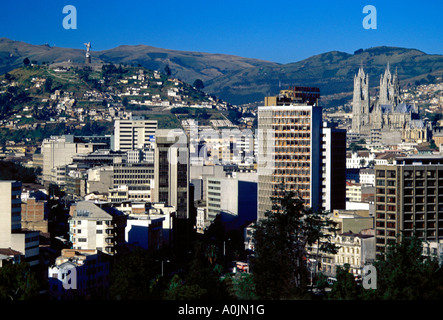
(385, 174)
(133, 171)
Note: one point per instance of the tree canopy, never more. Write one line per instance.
(281, 239)
(406, 274)
(198, 84)
(18, 282)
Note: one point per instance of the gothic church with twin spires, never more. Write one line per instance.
(388, 112)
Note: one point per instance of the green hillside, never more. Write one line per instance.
(239, 80)
(332, 72)
(37, 101)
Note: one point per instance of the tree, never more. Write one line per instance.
(203, 280)
(202, 114)
(244, 286)
(281, 239)
(48, 85)
(406, 274)
(26, 62)
(14, 171)
(18, 282)
(167, 70)
(345, 288)
(133, 276)
(125, 101)
(198, 84)
(179, 290)
(362, 162)
(234, 115)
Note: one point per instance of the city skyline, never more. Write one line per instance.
(260, 30)
(119, 180)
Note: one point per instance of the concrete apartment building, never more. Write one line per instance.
(367, 176)
(353, 192)
(289, 152)
(145, 231)
(99, 179)
(59, 151)
(200, 173)
(233, 198)
(409, 199)
(11, 233)
(132, 181)
(84, 271)
(149, 225)
(354, 221)
(95, 226)
(134, 133)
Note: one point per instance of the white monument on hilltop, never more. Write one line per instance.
(88, 54)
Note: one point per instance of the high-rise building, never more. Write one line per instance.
(171, 170)
(289, 152)
(409, 200)
(10, 210)
(135, 133)
(334, 168)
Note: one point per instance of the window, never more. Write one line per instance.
(380, 174)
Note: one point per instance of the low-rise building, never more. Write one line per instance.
(79, 274)
(8, 255)
(145, 231)
(367, 176)
(96, 226)
(359, 159)
(353, 192)
(356, 249)
(35, 215)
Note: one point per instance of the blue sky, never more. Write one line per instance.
(278, 31)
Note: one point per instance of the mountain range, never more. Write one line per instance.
(240, 80)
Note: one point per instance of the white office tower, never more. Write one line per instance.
(135, 133)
